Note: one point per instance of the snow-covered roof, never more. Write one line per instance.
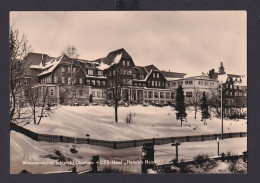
(172, 79)
(117, 58)
(40, 66)
(192, 75)
(241, 82)
(222, 78)
(51, 65)
(103, 66)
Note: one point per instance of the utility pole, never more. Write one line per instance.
(218, 145)
(176, 144)
(221, 101)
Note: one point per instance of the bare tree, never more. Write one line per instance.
(194, 101)
(18, 49)
(72, 52)
(117, 80)
(37, 99)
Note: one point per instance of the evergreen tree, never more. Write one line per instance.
(221, 68)
(204, 108)
(180, 105)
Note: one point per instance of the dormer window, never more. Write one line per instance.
(123, 62)
(158, 75)
(128, 63)
(90, 72)
(100, 73)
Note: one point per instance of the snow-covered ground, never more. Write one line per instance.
(25, 149)
(147, 122)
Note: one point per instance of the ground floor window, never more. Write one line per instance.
(188, 94)
(172, 94)
(150, 94)
(93, 93)
(156, 94)
(167, 94)
(98, 94)
(161, 94)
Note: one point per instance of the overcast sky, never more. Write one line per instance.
(180, 41)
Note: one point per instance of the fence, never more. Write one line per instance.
(121, 144)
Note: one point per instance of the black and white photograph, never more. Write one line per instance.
(128, 92)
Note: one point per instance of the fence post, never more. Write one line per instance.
(61, 138)
(115, 144)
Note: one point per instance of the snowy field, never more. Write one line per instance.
(25, 149)
(147, 122)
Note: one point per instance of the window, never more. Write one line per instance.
(155, 83)
(188, 82)
(200, 82)
(69, 80)
(69, 69)
(158, 75)
(235, 87)
(88, 82)
(145, 94)
(134, 76)
(62, 69)
(188, 94)
(98, 82)
(90, 72)
(244, 94)
(93, 93)
(149, 83)
(63, 79)
(129, 82)
(154, 75)
(231, 86)
(55, 79)
(226, 85)
(206, 83)
(231, 93)
(140, 84)
(174, 83)
(141, 76)
(98, 94)
(26, 82)
(161, 94)
(74, 80)
(123, 62)
(227, 92)
(143, 84)
(26, 92)
(80, 93)
(102, 95)
(152, 83)
(150, 94)
(52, 93)
(162, 84)
(135, 84)
(167, 94)
(93, 82)
(156, 94)
(103, 83)
(74, 69)
(236, 93)
(172, 94)
(129, 72)
(100, 73)
(124, 72)
(128, 63)
(80, 81)
(159, 83)
(180, 82)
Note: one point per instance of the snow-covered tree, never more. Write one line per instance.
(18, 49)
(194, 101)
(204, 108)
(116, 82)
(180, 105)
